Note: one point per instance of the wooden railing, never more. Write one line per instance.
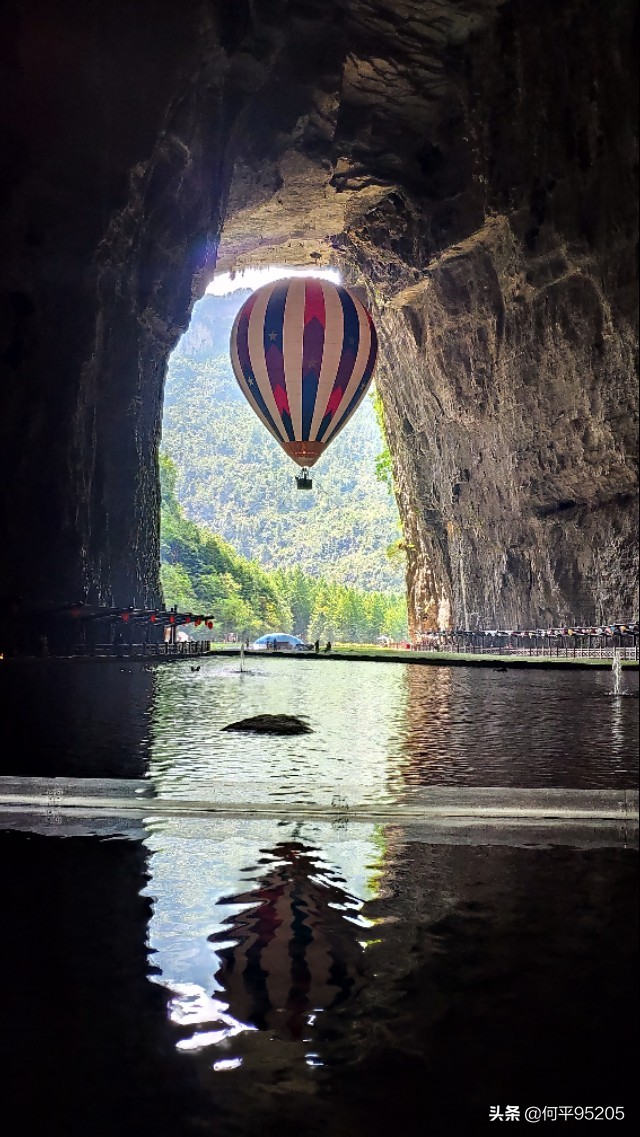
(149, 651)
(569, 647)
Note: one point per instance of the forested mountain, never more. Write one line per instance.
(203, 575)
(234, 479)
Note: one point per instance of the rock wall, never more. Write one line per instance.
(510, 361)
(113, 200)
(509, 401)
(471, 163)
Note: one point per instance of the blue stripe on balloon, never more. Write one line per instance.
(274, 317)
(357, 395)
(312, 348)
(242, 345)
(351, 337)
(288, 425)
(364, 382)
(273, 332)
(309, 392)
(350, 342)
(324, 425)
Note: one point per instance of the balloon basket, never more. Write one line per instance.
(303, 481)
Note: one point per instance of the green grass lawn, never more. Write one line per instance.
(474, 657)
(455, 658)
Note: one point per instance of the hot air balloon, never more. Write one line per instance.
(303, 352)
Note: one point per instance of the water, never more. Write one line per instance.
(263, 979)
(616, 668)
(383, 733)
(380, 732)
(263, 976)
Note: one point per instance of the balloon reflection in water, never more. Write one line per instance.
(254, 930)
(294, 954)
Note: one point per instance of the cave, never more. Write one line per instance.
(472, 167)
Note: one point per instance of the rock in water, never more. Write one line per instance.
(271, 724)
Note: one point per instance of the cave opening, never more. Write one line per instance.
(237, 538)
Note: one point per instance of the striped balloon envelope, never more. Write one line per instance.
(303, 351)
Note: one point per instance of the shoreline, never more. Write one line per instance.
(425, 659)
(445, 659)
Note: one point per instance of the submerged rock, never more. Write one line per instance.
(271, 724)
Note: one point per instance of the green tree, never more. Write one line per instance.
(203, 574)
(383, 463)
(177, 585)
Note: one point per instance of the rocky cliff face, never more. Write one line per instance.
(509, 370)
(471, 164)
(512, 438)
(112, 187)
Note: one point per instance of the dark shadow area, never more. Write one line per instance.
(479, 977)
(86, 1046)
(524, 992)
(66, 717)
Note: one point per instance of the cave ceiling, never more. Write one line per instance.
(366, 99)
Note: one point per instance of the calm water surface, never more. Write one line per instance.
(382, 732)
(241, 977)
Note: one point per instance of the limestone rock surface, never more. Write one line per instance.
(271, 724)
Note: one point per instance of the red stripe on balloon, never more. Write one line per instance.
(335, 398)
(274, 360)
(282, 402)
(314, 303)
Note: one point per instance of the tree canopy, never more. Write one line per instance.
(201, 572)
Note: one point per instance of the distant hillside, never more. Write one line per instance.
(201, 573)
(233, 478)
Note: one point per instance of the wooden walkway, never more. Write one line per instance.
(186, 649)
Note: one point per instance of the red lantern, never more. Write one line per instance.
(153, 618)
(198, 622)
(209, 623)
(172, 619)
(125, 616)
(188, 620)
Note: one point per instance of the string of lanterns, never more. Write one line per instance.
(168, 618)
(161, 616)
